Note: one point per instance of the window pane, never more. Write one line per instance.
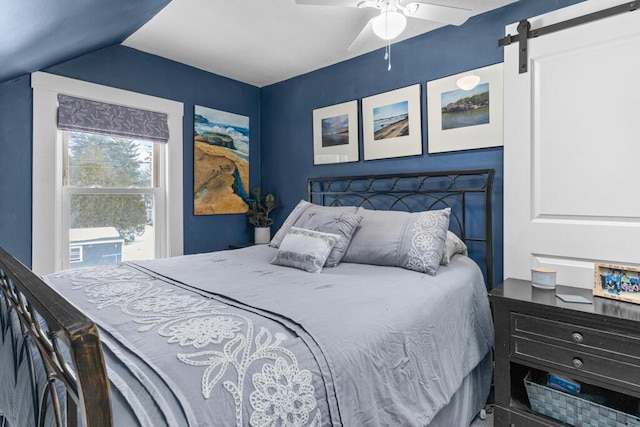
(105, 161)
(75, 254)
(110, 228)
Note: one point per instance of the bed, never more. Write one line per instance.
(229, 338)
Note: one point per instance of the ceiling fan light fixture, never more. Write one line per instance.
(389, 24)
(468, 82)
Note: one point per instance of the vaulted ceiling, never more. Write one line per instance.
(36, 34)
(254, 41)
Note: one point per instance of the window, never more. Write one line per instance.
(100, 198)
(109, 191)
(75, 254)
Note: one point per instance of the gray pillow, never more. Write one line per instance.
(305, 249)
(414, 241)
(297, 212)
(452, 246)
(288, 223)
(335, 222)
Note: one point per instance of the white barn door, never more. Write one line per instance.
(572, 147)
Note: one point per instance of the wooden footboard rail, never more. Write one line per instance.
(64, 342)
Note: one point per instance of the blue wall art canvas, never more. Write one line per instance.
(221, 162)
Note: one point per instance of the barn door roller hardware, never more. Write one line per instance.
(525, 32)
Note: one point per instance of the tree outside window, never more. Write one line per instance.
(103, 175)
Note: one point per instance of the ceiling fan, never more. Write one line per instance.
(392, 19)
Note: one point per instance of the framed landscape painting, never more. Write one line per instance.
(221, 162)
(335, 133)
(461, 119)
(391, 124)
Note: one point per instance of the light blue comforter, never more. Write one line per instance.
(228, 339)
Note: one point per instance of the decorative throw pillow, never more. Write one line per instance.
(414, 241)
(288, 223)
(452, 246)
(335, 222)
(297, 212)
(305, 249)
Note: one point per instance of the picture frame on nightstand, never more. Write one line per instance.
(619, 282)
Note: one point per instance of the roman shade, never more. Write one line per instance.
(83, 115)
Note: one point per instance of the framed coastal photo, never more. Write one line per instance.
(617, 282)
(391, 124)
(459, 119)
(335, 133)
(220, 163)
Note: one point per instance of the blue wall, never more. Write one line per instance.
(16, 114)
(125, 68)
(282, 138)
(287, 133)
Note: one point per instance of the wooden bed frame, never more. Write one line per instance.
(37, 305)
(65, 342)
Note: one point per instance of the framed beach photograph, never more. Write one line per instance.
(391, 124)
(335, 133)
(220, 163)
(619, 282)
(459, 119)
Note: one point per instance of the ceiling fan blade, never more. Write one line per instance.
(343, 3)
(365, 35)
(434, 12)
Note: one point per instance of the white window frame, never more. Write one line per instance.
(50, 238)
(80, 253)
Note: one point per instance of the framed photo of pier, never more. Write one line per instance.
(465, 118)
(621, 282)
(391, 124)
(335, 133)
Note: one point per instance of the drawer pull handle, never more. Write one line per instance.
(577, 363)
(577, 337)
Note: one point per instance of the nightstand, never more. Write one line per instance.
(596, 344)
(241, 245)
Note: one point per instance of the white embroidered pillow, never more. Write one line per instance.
(305, 249)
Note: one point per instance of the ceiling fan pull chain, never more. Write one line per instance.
(387, 52)
(388, 55)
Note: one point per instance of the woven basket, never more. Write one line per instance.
(573, 410)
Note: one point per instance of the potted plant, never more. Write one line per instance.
(258, 214)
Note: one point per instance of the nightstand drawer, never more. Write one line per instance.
(625, 348)
(610, 370)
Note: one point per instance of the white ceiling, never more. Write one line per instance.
(261, 42)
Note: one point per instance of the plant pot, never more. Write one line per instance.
(262, 235)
